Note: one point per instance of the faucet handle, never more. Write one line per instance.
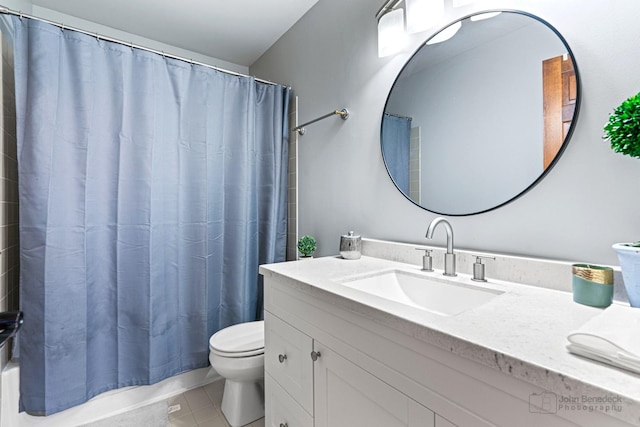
(479, 258)
(478, 268)
(427, 260)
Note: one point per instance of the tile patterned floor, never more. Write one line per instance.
(200, 407)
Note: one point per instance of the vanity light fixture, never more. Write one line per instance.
(423, 14)
(483, 16)
(391, 35)
(420, 15)
(446, 34)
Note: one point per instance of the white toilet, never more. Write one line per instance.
(237, 354)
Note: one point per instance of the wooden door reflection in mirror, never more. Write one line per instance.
(559, 92)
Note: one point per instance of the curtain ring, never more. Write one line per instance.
(62, 26)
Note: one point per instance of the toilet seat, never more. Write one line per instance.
(241, 340)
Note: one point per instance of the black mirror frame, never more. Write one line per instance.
(560, 150)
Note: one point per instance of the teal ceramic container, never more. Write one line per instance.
(592, 285)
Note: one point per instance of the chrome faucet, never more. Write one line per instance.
(449, 257)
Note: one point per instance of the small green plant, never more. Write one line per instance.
(307, 245)
(623, 127)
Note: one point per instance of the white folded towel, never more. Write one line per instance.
(612, 337)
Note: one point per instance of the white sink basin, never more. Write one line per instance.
(416, 290)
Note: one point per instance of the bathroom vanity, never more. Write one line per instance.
(338, 354)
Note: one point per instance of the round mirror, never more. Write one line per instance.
(480, 113)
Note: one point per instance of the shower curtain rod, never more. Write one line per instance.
(344, 114)
(8, 11)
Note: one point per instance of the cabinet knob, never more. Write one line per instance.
(315, 355)
(284, 425)
(282, 358)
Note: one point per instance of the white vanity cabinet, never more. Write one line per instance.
(374, 369)
(309, 384)
(299, 368)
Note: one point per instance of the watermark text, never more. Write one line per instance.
(548, 402)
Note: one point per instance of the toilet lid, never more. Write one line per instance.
(243, 339)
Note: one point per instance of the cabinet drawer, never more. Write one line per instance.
(281, 409)
(287, 355)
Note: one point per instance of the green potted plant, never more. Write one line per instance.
(307, 246)
(623, 132)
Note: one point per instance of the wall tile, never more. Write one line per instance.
(9, 211)
(292, 207)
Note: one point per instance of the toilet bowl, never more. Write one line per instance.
(237, 354)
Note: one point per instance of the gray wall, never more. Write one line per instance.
(587, 202)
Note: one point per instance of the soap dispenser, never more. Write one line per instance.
(478, 268)
(350, 246)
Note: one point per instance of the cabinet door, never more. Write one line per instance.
(287, 358)
(346, 395)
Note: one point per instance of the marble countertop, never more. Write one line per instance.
(521, 332)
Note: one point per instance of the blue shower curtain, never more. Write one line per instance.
(150, 191)
(396, 138)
